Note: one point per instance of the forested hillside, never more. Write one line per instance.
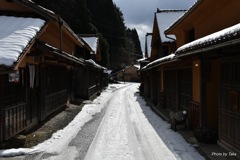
(120, 46)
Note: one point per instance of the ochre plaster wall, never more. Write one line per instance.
(209, 17)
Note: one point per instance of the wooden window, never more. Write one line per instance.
(170, 83)
(56, 79)
(185, 88)
(190, 35)
(234, 100)
(229, 104)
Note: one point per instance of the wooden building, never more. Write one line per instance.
(161, 46)
(92, 41)
(202, 76)
(91, 83)
(213, 48)
(38, 55)
(129, 74)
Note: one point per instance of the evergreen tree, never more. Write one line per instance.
(137, 43)
(101, 17)
(136, 51)
(108, 18)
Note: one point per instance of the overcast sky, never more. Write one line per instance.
(139, 14)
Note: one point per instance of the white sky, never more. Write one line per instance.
(139, 14)
(129, 130)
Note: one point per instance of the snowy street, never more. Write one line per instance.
(124, 133)
(128, 130)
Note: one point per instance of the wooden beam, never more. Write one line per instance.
(28, 48)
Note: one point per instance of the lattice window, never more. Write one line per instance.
(185, 82)
(56, 79)
(229, 104)
(234, 100)
(170, 83)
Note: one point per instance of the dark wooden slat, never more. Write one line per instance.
(194, 107)
(14, 120)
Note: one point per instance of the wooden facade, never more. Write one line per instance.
(91, 83)
(129, 74)
(41, 81)
(13, 107)
(203, 75)
(88, 85)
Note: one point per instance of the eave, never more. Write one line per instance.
(180, 20)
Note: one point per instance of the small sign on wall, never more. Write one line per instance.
(13, 77)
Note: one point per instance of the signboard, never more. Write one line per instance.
(13, 77)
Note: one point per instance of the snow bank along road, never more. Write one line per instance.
(129, 130)
(125, 133)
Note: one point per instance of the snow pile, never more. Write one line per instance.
(59, 140)
(130, 130)
(222, 35)
(15, 34)
(158, 61)
(173, 140)
(158, 132)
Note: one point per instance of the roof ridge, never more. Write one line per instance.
(170, 10)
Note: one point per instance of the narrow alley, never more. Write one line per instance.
(126, 129)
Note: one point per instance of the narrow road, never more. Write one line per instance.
(125, 134)
(117, 125)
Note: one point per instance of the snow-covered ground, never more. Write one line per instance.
(128, 131)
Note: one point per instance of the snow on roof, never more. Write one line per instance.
(137, 66)
(64, 54)
(142, 59)
(92, 62)
(163, 59)
(107, 71)
(92, 42)
(165, 18)
(220, 36)
(15, 34)
(188, 12)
